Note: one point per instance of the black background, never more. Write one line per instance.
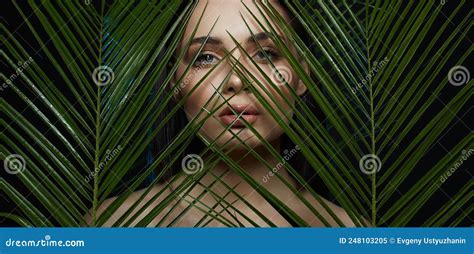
(450, 138)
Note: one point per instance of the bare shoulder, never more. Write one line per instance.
(156, 194)
(341, 214)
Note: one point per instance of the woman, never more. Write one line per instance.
(219, 92)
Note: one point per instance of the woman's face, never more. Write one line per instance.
(224, 83)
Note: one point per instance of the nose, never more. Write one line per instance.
(234, 84)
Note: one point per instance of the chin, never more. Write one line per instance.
(238, 140)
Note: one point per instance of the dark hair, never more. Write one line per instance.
(174, 126)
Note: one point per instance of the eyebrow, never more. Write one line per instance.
(216, 41)
(207, 40)
(259, 37)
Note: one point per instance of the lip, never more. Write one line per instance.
(247, 112)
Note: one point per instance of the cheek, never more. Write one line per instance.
(196, 100)
(204, 89)
(199, 92)
(280, 98)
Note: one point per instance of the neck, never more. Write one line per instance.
(263, 173)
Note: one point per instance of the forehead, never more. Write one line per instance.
(227, 16)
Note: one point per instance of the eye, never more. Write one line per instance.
(271, 54)
(205, 59)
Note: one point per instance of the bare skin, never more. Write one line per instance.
(238, 213)
(194, 215)
(229, 14)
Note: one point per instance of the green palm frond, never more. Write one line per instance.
(94, 93)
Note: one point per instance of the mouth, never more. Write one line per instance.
(232, 115)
